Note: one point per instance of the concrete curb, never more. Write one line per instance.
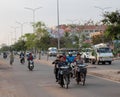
(111, 77)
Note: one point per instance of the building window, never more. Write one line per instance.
(96, 30)
(86, 30)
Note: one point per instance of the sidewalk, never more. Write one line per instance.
(108, 73)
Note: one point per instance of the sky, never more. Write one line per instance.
(12, 11)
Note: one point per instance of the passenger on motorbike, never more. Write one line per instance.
(64, 56)
(70, 58)
(56, 67)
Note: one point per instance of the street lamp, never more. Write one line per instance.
(21, 24)
(58, 24)
(33, 10)
(72, 21)
(15, 33)
(102, 9)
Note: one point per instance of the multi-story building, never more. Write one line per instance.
(79, 30)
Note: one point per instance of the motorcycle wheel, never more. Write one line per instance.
(78, 77)
(61, 81)
(66, 81)
(30, 67)
(83, 78)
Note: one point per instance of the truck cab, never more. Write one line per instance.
(101, 54)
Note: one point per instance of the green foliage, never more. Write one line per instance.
(86, 45)
(5, 48)
(19, 46)
(112, 19)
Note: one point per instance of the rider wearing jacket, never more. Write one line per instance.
(56, 68)
(61, 63)
(79, 61)
(30, 57)
(70, 58)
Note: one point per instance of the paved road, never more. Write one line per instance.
(18, 81)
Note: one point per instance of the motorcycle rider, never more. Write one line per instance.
(61, 63)
(4, 55)
(79, 61)
(30, 57)
(22, 57)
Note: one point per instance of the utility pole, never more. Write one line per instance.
(58, 24)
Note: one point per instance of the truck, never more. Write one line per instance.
(101, 54)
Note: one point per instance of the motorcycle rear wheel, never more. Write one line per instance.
(82, 78)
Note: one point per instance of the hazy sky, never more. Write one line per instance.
(14, 10)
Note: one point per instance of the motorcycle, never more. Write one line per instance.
(80, 73)
(72, 68)
(30, 65)
(64, 76)
(5, 56)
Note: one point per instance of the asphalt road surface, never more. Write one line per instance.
(18, 81)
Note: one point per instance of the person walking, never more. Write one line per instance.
(11, 58)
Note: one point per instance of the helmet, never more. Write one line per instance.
(70, 53)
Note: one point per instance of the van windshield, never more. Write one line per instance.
(53, 49)
(104, 50)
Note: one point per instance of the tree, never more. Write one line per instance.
(112, 19)
(41, 34)
(19, 46)
(29, 40)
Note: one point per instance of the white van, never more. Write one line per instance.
(52, 51)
